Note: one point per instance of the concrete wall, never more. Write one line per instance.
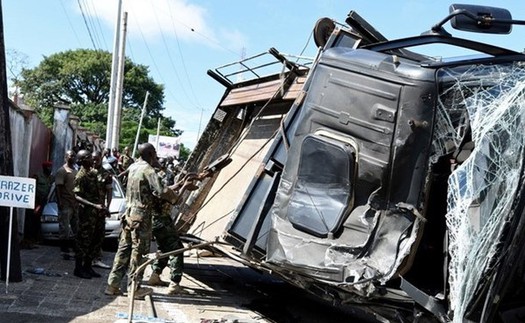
(21, 135)
(63, 136)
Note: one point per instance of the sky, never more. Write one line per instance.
(180, 40)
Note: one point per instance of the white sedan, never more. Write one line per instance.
(49, 218)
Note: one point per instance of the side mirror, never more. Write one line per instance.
(481, 19)
(322, 31)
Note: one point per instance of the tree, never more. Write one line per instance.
(16, 62)
(81, 79)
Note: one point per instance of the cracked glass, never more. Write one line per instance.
(480, 122)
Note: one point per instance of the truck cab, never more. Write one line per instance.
(375, 174)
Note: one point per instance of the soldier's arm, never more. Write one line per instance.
(79, 189)
(109, 190)
(159, 189)
(123, 173)
(59, 184)
(109, 195)
(88, 203)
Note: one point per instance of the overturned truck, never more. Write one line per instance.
(375, 175)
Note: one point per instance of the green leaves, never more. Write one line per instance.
(81, 78)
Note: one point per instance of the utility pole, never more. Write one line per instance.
(120, 84)
(140, 124)
(114, 72)
(6, 168)
(158, 135)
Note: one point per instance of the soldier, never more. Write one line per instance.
(67, 204)
(167, 176)
(91, 208)
(124, 161)
(115, 153)
(105, 191)
(142, 193)
(167, 239)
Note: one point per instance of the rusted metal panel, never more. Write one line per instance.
(252, 93)
(265, 91)
(295, 88)
(40, 145)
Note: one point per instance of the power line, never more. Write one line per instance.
(156, 66)
(182, 58)
(97, 20)
(70, 24)
(169, 56)
(87, 25)
(89, 18)
(128, 45)
(206, 37)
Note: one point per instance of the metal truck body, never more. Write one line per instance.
(389, 179)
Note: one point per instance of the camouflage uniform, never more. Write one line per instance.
(104, 179)
(86, 187)
(142, 195)
(125, 161)
(67, 204)
(167, 238)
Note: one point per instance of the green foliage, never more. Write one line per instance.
(184, 153)
(81, 79)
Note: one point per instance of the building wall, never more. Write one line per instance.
(40, 145)
(33, 143)
(63, 136)
(21, 134)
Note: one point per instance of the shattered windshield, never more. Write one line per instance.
(480, 117)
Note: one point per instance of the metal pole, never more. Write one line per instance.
(120, 84)
(9, 248)
(152, 258)
(152, 309)
(6, 168)
(158, 135)
(200, 122)
(140, 124)
(114, 70)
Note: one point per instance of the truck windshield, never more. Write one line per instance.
(480, 113)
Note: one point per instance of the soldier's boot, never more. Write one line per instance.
(141, 292)
(89, 269)
(79, 269)
(176, 289)
(112, 291)
(154, 280)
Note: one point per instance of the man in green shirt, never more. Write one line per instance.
(67, 204)
(143, 192)
(91, 209)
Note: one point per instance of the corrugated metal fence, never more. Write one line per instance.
(33, 143)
